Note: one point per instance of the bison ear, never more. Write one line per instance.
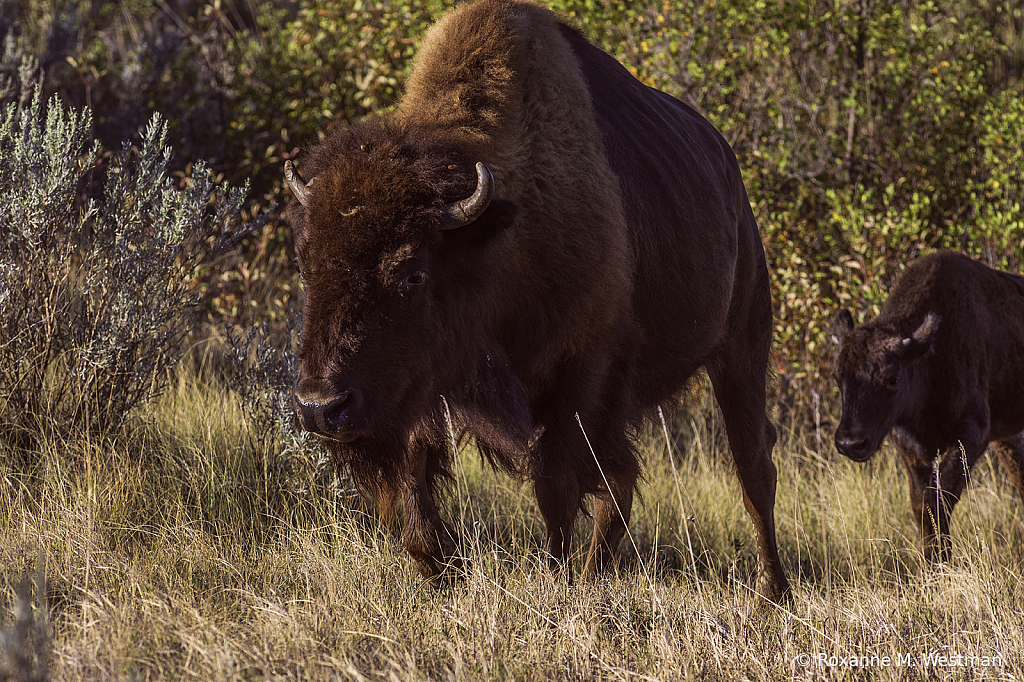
(841, 326)
(920, 342)
(498, 217)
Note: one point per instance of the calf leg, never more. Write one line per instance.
(935, 488)
(428, 539)
(1011, 456)
(931, 509)
(740, 391)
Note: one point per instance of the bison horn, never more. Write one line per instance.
(300, 189)
(461, 213)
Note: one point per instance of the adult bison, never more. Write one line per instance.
(941, 368)
(545, 249)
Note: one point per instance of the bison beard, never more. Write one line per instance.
(531, 245)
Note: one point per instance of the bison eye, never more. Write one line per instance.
(416, 278)
(891, 382)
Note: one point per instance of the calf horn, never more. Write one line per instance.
(300, 189)
(461, 213)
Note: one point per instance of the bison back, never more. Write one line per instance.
(698, 256)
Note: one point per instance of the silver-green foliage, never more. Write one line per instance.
(97, 295)
(262, 370)
(25, 640)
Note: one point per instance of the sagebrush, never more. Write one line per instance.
(98, 261)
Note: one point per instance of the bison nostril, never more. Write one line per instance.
(342, 409)
(852, 446)
(336, 416)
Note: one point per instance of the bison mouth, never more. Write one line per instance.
(349, 418)
(340, 437)
(859, 458)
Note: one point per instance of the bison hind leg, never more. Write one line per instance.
(739, 386)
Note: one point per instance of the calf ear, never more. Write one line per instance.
(841, 326)
(920, 342)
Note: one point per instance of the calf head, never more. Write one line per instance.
(383, 227)
(875, 367)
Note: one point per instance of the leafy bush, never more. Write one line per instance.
(98, 294)
(262, 367)
(240, 85)
(867, 132)
(298, 74)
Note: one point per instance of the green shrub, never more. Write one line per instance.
(261, 368)
(98, 295)
(867, 132)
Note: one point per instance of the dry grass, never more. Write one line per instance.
(172, 553)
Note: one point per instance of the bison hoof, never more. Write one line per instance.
(442, 572)
(774, 589)
(937, 559)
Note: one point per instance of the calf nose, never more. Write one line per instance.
(335, 415)
(854, 446)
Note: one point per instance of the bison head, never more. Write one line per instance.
(875, 367)
(391, 237)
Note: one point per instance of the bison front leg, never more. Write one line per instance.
(935, 489)
(611, 517)
(428, 539)
(617, 471)
(558, 496)
(582, 452)
(560, 457)
(931, 511)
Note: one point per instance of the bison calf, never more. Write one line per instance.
(942, 368)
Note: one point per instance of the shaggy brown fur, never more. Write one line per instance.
(941, 368)
(618, 256)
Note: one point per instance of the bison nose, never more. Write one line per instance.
(334, 416)
(854, 446)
